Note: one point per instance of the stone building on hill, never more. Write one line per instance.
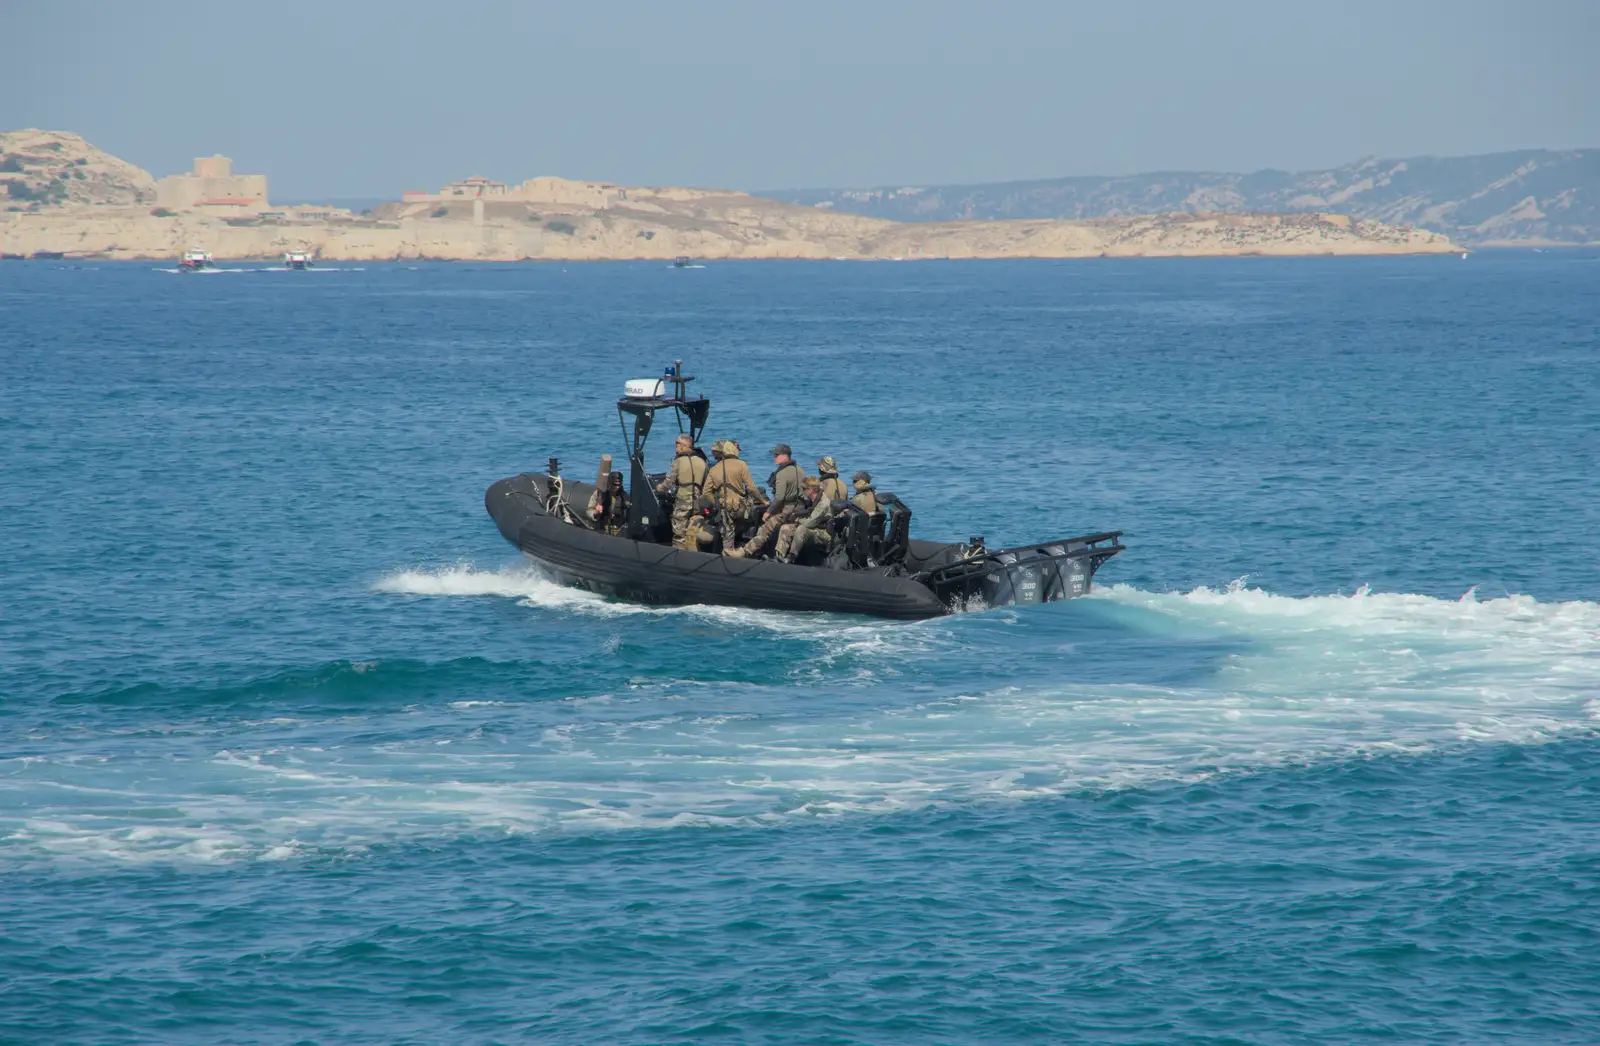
(213, 187)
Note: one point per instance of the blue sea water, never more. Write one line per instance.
(294, 749)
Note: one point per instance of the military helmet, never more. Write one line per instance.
(825, 464)
(730, 447)
(862, 479)
(716, 446)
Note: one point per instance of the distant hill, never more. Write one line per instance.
(59, 195)
(51, 168)
(1535, 196)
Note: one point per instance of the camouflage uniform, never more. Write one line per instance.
(812, 530)
(787, 505)
(609, 508)
(730, 485)
(832, 485)
(701, 533)
(685, 478)
(785, 480)
(773, 524)
(866, 498)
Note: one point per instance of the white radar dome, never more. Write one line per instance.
(643, 388)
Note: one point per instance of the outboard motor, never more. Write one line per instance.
(1030, 574)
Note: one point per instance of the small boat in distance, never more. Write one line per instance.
(298, 259)
(194, 261)
(681, 262)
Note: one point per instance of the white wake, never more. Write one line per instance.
(861, 725)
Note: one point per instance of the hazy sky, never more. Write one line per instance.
(343, 99)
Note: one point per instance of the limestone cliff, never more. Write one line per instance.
(661, 224)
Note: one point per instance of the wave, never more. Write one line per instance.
(532, 588)
(1383, 611)
(328, 687)
(877, 718)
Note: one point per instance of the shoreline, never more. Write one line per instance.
(276, 262)
(710, 229)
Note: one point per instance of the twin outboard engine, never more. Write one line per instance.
(1030, 574)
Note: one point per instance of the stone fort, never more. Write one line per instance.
(212, 186)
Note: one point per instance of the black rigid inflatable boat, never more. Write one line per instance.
(874, 568)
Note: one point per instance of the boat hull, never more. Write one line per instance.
(646, 572)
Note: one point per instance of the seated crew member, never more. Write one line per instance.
(730, 485)
(701, 533)
(866, 498)
(794, 538)
(609, 507)
(684, 480)
(832, 485)
(786, 506)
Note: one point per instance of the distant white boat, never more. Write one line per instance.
(194, 261)
(299, 259)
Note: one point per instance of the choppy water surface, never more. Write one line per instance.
(294, 749)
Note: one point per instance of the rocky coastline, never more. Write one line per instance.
(82, 203)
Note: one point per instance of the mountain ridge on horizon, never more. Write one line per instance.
(1520, 196)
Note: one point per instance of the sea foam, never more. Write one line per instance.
(1295, 681)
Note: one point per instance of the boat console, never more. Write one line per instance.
(641, 399)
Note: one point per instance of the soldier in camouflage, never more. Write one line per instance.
(832, 485)
(684, 480)
(609, 507)
(866, 498)
(794, 538)
(785, 479)
(786, 506)
(730, 485)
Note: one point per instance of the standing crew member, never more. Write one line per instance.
(609, 507)
(786, 504)
(832, 485)
(685, 476)
(866, 498)
(730, 485)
